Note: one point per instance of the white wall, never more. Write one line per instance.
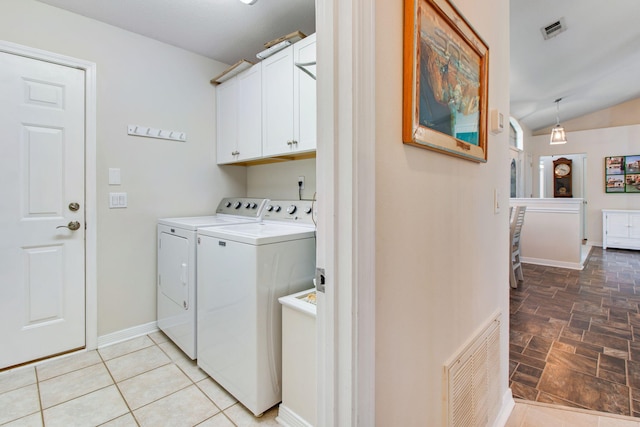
(280, 180)
(145, 82)
(441, 252)
(597, 144)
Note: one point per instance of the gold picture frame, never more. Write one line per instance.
(445, 81)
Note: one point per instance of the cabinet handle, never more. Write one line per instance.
(235, 153)
(294, 142)
(289, 142)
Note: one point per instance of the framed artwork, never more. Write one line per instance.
(622, 174)
(445, 78)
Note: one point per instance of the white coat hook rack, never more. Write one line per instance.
(148, 132)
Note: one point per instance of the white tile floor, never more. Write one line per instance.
(146, 381)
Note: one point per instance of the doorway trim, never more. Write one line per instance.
(91, 284)
(346, 230)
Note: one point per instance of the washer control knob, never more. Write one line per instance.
(308, 210)
(237, 205)
(254, 205)
(292, 209)
(277, 208)
(269, 208)
(227, 205)
(247, 205)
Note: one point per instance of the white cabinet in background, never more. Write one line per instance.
(304, 94)
(620, 229)
(289, 101)
(239, 117)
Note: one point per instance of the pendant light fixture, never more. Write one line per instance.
(249, 2)
(557, 133)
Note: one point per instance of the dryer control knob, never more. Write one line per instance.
(227, 205)
(247, 205)
(254, 205)
(308, 210)
(237, 205)
(277, 208)
(269, 208)
(292, 209)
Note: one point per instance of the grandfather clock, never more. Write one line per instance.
(562, 170)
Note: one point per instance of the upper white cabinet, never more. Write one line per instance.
(621, 229)
(289, 100)
(269, 110)
(239, 117)
(304, 94)
(277, 105)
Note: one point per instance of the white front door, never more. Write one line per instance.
(42, 195)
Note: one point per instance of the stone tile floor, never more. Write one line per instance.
(575, 335)
(145, 381)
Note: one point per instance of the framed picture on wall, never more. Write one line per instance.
(445, 77)
(622, 174)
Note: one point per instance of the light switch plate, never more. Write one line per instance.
(117, 200)
(114, 176)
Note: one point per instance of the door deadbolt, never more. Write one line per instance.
(74, 206)
(73, 225)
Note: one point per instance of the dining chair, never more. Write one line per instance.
(515, 230)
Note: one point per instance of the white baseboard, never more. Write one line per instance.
(552, 263)
(126, 334)
(286, 417)
(505, 411)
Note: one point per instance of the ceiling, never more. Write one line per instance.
(592, 65)
(224, 30)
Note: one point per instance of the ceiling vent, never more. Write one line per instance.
(553, 29)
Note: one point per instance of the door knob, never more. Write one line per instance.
(74, 206)
(73, 225)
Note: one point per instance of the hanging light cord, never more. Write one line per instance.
(558, 111)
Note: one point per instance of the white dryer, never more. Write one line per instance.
(176, 293)
(242, 271)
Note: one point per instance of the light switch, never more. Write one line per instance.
(117, 200)
(114, 176)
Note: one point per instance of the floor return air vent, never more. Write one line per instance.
(472, 379)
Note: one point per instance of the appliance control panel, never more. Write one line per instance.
(242, 206)
(298, 211)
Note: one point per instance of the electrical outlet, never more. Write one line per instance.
(301, 182)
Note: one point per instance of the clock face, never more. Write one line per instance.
(562, 169)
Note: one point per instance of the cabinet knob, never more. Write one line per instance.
(294, 142)
(235, 153)
(289, 142)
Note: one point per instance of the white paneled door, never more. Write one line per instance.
(42, 212)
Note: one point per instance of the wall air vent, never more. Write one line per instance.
(553, 29)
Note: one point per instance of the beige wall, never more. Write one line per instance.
(619, 115)
(280, 180)
(597, 144)
(143, 82)
(441, 252)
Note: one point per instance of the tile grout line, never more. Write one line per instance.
(115, 383)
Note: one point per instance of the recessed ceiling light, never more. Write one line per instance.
(249, 2)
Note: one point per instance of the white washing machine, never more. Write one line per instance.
(242, 271)
(176, 300)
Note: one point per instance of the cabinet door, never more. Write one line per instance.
(227, 120)
(634, 226)
(617, 225)
(304, 95)
(277, 103)
(250, 114)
